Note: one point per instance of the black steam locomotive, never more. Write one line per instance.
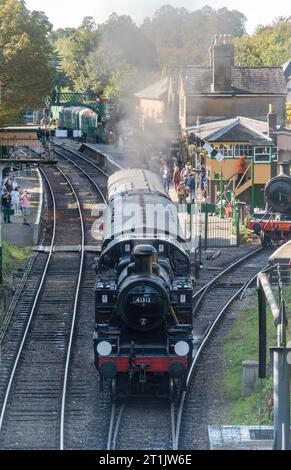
(143, 339)
(275, 225)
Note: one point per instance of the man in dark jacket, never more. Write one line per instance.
(6, 203)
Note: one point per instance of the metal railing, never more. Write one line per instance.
(280, 354)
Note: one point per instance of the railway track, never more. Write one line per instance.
(158, 424)
(212, 304)
(32, 413)
(86, 408)
(84, 411)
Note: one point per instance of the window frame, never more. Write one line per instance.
(256, 153)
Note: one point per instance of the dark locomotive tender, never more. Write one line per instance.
(143, 337)
(275, 225)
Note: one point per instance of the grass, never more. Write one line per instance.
(13, 259)
(242, 344)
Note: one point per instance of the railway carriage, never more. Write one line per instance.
(143, 339)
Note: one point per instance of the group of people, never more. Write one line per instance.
(185, 179)
(14, 201)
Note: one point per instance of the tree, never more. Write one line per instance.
(26, 69)
(269, 46)
(183, 37)
(73, 46)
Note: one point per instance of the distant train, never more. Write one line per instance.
(275, 223)
(94, 127)
(79, 118)
(143, 339)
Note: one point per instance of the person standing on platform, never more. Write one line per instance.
(165, 174)
(191, 183)
(6, 202)
(25, 205)
(15, 196)
(176, 176)
(182, 193)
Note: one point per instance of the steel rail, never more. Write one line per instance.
(82, 157)
(9, 386)
(75, 311)
(84, 172)
(79, 154)
(114, 429)
(207, 336)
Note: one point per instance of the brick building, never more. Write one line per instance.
(224, 89)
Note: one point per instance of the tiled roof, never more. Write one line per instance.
(269, 80)
(155, 91)
(238, 129)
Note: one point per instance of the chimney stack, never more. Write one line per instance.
(272, 121)
(222, 62)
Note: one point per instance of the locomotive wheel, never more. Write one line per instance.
(265, 240)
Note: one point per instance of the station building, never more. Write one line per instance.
(232, 138)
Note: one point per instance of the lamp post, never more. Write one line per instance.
(197, 132)
(221, 209)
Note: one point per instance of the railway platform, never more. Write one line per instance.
(25, 235)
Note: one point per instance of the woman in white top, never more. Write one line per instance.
(15, 200)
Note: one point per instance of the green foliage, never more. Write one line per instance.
(240, 344)
(269, 46)
(118, 58)
(182, 37)
(25, 59)
(13, 258)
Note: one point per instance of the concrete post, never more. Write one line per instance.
(281, 378)
(250, 376)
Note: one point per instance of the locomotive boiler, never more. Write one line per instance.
(275, 225)
(143, 340)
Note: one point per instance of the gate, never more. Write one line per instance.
(218, 232)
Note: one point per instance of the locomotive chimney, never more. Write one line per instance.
(144, 255)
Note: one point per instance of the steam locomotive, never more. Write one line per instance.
(275, 224)
(143, 340)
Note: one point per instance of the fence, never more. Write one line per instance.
(8, 144)
(217, 232)
(201, 222)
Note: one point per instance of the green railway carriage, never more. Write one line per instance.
(88, 121)
(80, 118)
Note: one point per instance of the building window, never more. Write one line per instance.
(262, 155)
(275, 154)
(226, 150)
(243, 149)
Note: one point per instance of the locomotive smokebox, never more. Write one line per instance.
(144, 256)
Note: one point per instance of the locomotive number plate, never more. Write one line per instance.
(141, 300)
